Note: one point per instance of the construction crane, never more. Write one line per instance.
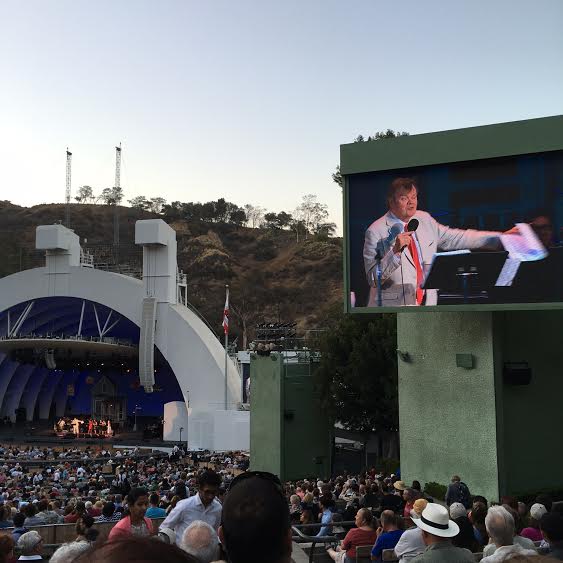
(117, 189)
(67, 198)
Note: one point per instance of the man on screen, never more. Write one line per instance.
(403, 255)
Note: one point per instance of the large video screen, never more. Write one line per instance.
(483, 232)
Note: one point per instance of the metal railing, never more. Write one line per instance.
(301, 537)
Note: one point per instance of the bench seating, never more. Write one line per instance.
(63, 533)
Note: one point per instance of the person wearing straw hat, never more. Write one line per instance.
(437, 531)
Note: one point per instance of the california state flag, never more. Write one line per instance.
(226, 313)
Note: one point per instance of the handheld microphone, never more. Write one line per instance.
(411, 227)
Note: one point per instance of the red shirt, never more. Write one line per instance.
(356, 537)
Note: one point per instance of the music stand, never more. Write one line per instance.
(468, 271)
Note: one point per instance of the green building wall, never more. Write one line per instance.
(289, 433)
(499, 438)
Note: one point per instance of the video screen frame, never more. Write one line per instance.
(460, 146)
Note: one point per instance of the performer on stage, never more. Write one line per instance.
(402, 255)
(109, 431)
(76, 426)
(90, 427)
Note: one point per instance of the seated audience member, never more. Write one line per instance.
(477, 517)
(295, 508)
(5, 517)
(109, 514)
(390, 500)
(135, 522)
(78, 512)
(154, 511)
(546, 500)
(6, 548)
(551, 525)
(68, 552)
(326, 506)
(131, 549)
(437, 531)
(48, 516)
(201, 541)
(255, 525)
(526, 543)
(31, 516)
(409, 496)
(388, 534)
(372, 498)
(84, 529)
(19, 528)
(532, 531)
(466, 537)
(363, 534)
(500, 527)
(411, 543)
(457, 510)
(30, 545)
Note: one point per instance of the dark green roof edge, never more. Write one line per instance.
(472, 143)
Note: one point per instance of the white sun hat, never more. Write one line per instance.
(436, 521)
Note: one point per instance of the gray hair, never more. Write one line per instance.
(201, 541)
(500, 525)
(69, 551)
(29, 541)
(456, 510)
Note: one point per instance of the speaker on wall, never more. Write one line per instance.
(517, 373)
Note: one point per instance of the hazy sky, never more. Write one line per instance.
(250, 100)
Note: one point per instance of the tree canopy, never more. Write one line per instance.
(389, 134)
(357, 373)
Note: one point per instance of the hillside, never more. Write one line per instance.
(271, 275)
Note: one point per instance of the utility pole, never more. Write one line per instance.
(117, 185)
(67, 198)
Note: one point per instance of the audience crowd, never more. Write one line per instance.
(211, 508)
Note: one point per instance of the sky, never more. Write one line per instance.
(250, 99)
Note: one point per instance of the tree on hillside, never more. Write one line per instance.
(389, 134)
(279, 220)
(254, 215)
(357, 377)
(325, 230)
(112, 196)
(85, 194)
(156, 204)
(139, 202)
(299, 228)
(311, 212)
(173, 211)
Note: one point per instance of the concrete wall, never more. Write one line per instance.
(500, 438)
(266, 413)
(448, 414)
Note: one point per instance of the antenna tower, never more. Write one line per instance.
(67, 198)
(117, 186)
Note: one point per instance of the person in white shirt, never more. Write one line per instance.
(500, 527)
(202, 506)
(411, 544)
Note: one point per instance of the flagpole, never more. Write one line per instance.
(226, 345)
